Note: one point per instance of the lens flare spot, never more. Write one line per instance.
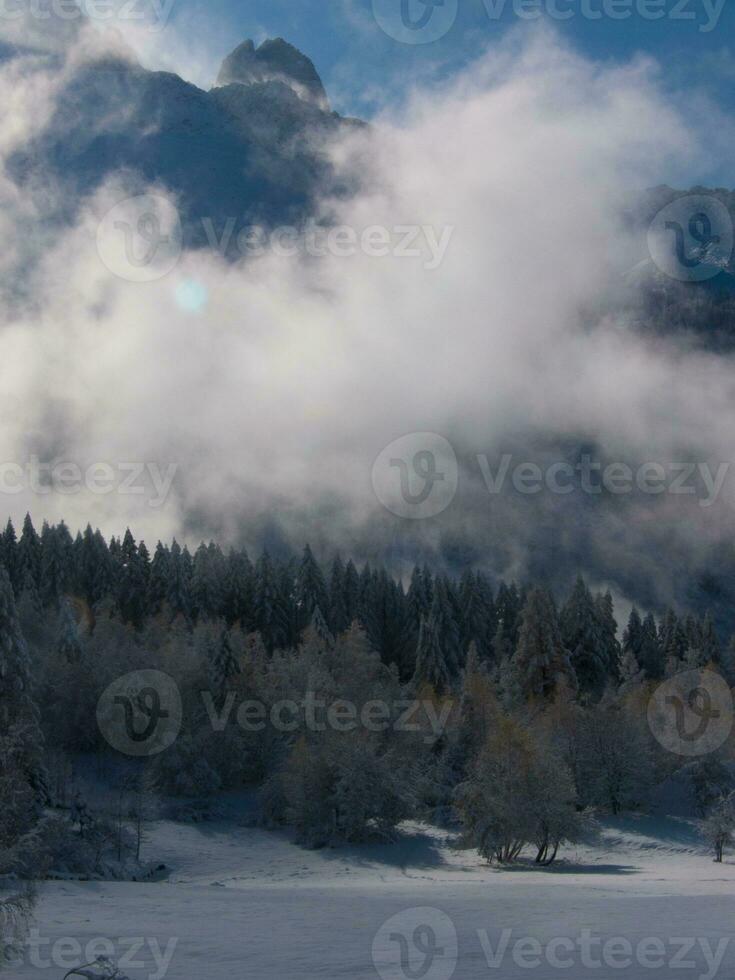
(191, 296)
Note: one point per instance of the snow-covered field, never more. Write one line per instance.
(241, 902)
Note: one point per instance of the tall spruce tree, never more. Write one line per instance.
(68, 642)
(609, 635)
(132, 582)
(338, 614)
(29, 555)
(19, 715)
(178, 594)
(651, 656)
(311, 589)
(158, 579)
(10, 555)
(542, 662)
(223, 664)
(271, 614)
(582, 636)
(431, 663)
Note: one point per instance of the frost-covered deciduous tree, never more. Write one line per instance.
(615, 767)
(519, 792)
(719, 827)
(556, 817)
(711, 781)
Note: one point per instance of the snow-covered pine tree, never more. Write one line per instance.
(419, 596)
(29, 555)
(443, 615)
(476, 613)
(158, 579)
(68, 644)
(10, 555)
(352, 591)
(321, 628)
(132, 582)
(541, 660)
(582, 635)
(271, 618)
(19, 716)
(338, 614)
(609, 635)
(223, 665)
(651, 655)
(207, 586)
(673, 642)
(178, 594)
(95, 573)
(54, 579)
(710, 642)
(431, 664)
(239, 591)
(508, 612)
(311, 588)
(385, 618)
(633, 636)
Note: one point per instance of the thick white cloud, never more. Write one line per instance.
(278, 394)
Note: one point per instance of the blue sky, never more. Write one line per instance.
(363, 67)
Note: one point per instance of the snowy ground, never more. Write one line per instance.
(241, 902)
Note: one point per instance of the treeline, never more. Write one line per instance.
(425, 629)
(526, 713)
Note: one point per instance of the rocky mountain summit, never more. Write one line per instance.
(254, 148)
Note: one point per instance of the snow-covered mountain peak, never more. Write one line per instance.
(274, 60)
